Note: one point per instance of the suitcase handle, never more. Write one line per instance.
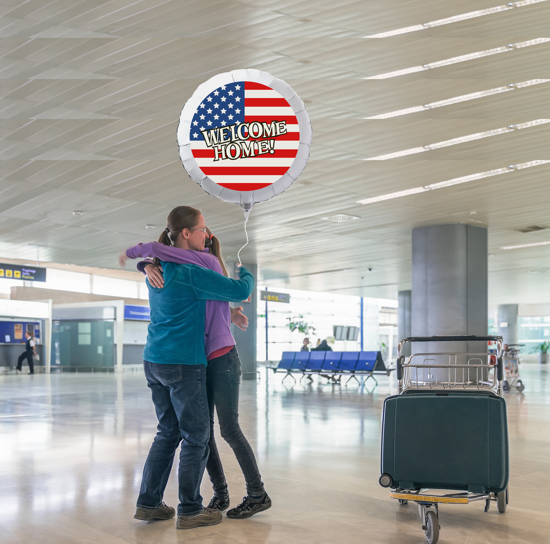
(500, 369)
(400, 368)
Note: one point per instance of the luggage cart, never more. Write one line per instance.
(444, 398)
(512, 360)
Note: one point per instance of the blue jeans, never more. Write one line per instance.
(179, 396)
(223, 380)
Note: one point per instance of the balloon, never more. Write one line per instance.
(244, 137)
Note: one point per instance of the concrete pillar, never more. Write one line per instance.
(246, 341)
(507, 322)
(404, 319)
(449, 285)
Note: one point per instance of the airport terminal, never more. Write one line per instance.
(274, 272)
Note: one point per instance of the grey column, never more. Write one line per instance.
(246, 341)
(449, 284)
(507, 323)
(404, 319)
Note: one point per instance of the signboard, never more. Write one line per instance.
(25, 273)
(270, 296)
(137, 313)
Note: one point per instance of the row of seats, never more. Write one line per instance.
(330, 361)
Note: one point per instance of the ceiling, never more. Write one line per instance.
(90, 97)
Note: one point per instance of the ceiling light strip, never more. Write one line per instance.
(461, 98)
(456, 18)
(454, 181)
(462, 58)
(534, 244)
(460, 140)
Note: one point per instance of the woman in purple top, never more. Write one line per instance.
(223, 374)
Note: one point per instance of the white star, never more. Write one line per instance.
(223, 111)
(209, 123)
(223, 98)
(216, 117)
(230, 117)
(202, 117)
(237, 99)
(209, 99)
(230, 93)
(202, 105)
(223, 123)
(230, 105)
(195, 123)
(202, 128)
(209, 110)
(237, 87)
(216, 105)
(216, 93)
(237, 111)
(223, 87)
(195, 135)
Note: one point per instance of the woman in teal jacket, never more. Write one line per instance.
(175, 368)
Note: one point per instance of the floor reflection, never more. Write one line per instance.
(73, 446)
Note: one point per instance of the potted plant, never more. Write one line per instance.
(542, 350)
(298, 324)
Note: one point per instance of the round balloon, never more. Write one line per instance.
(244, 136)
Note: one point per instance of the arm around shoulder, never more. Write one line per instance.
(209, 285)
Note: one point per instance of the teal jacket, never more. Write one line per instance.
(176, 333)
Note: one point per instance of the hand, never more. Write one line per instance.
(238, 318)
(154, 275)
(122, 258)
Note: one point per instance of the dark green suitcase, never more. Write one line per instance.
(455, 440)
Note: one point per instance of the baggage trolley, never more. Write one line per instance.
(431, 430)
(512, 360)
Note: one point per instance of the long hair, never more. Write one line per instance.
(181, 217)
(215, 247)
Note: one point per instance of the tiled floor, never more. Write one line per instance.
(72, 449)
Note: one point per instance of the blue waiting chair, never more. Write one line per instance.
(314, 364)
(286, 362)
(348, 363)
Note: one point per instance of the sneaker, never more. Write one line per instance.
(207, 517)
(219, 503)
(162, 512)
(249, 507)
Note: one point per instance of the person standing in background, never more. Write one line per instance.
(305, 346)
(30, 350)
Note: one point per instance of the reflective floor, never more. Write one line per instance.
(72, 448)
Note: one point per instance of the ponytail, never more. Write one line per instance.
(215, 247)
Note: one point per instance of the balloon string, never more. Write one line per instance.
(239, 253)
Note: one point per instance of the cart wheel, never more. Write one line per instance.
(505, 386)
(502, 501)
(403, 502)
(520, 387)
(432, 527)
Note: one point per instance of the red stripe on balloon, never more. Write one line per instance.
(244, 170)
(266, 103)
(290, 119)
(244, 186)
(252, 86)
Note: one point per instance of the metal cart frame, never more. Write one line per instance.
(462, 371)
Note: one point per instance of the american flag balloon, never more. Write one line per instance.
(244, 136)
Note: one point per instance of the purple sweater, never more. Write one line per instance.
(218, 314)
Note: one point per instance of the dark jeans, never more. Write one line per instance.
(222, 384)
(179, 396)
(28, 356)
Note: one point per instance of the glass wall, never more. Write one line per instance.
(83, 344)
(533, 331)
(323, 311)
